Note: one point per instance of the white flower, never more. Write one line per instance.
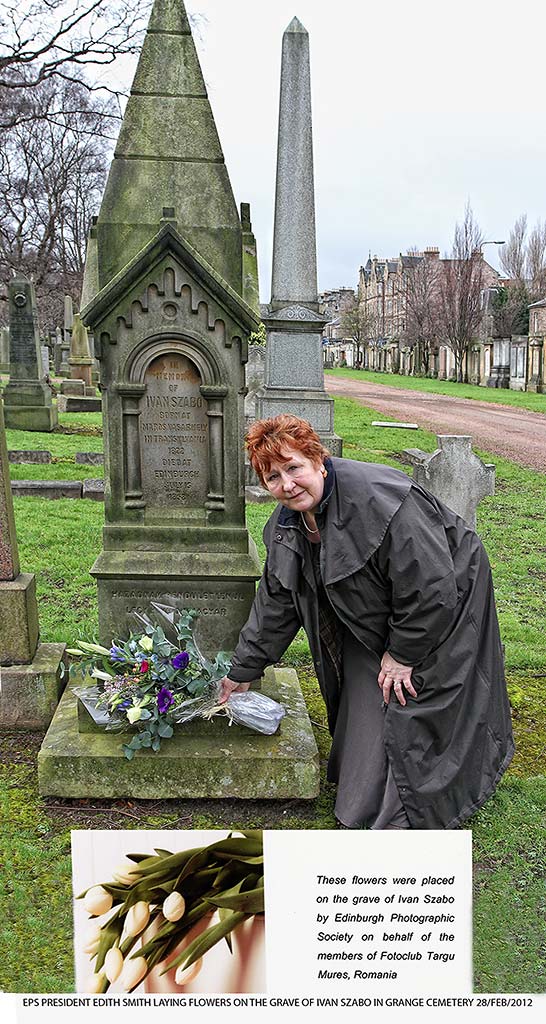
(97, 674)
(146, 643)
(91, 939)
(184, 975)
(126, 873)
(113, 964)
(97, 901)
(137, 918)
(94, 983)
(133, 972)
(174, 907)
(134, 714)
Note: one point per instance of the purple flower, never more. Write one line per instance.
(181, 660)
(165, 700)
(116, 653)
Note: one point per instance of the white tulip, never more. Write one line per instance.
(133, 972)
(94, 983)
(126, 873)
(137, 918)
(92, 939)
(184, 975)
(113, 964)
(97, 901)
(174, 906)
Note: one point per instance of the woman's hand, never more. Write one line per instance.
(227, 687)
(393, 674)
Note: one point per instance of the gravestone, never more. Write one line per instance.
(80, 360)
(294, 372)
(30, 672)
(500, 371)
(58, 351)
(44, 353)
(171, 326)
(64, 368)
(255, 369)
(4, 350)
(454, 474)
(27, 398)
(251, 292)
(165, 301)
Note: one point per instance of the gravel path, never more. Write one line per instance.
(516, 434)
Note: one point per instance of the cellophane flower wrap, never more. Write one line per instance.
(151, 681)
(174, 892)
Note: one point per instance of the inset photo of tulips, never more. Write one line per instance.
(168, 911)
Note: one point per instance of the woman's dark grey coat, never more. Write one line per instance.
(405, 575)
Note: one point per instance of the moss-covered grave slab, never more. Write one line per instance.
(212, 761)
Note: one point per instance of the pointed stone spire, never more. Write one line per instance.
(168, 155)
(294, 275)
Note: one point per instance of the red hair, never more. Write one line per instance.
(268, 440)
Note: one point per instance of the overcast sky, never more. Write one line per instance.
(418, 106)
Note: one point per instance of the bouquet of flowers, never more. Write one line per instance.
(172, 892)
(151, 681)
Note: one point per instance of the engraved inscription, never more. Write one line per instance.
(173, 434)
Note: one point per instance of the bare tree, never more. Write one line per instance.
(353, 325)
(523, 259)
(513, 254)
(421, 296)
(535, 263)
(52, 173)
(460, 291)
(43, 39)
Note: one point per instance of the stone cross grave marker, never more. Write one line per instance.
(454, 474)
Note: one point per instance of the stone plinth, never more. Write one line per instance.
(19, 630)
(30, 673)
(81, 403)
(294, 372)
(30, 693)
(210, 760)
(74, 387)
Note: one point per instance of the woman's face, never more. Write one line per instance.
(296, 481)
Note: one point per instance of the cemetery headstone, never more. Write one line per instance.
(27, 398)
(30, 672)
(58, 351)
(4, 350)
(64, 369)
(165, 302)
(173, 329)
(455, 474)
(294, 372)
(44, 352)
(80, 359)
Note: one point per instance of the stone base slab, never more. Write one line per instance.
(29, 694)
(212, 763)
(67, 403)
(47, 488)
(19, 630)
(30, 417)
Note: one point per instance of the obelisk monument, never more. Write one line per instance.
(294, 374)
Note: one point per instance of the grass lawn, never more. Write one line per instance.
(519, 399)
(59, 540)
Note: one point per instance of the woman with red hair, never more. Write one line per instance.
(395, 594)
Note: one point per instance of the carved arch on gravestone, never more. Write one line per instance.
(212, 390)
